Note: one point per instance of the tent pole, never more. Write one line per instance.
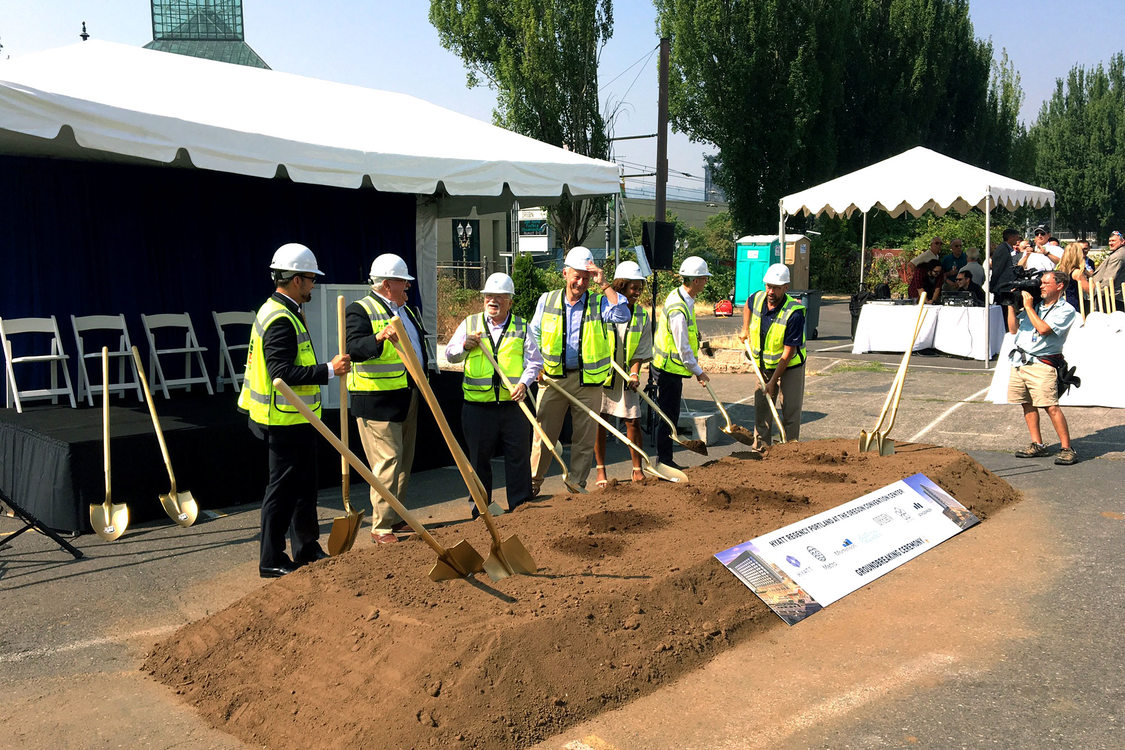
(862, 250)
(1052, 218)
(781, 229)
(987, 269)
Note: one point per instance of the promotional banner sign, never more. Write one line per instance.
(805, 566)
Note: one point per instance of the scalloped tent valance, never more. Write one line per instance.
(125, 102)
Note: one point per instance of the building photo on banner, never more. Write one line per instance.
(805, 566)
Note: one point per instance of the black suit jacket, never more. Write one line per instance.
(1003, 270)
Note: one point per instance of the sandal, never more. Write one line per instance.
(638, 476)
(603, 481)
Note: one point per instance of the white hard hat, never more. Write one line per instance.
(777, 274)
(390, 266)
(694, 266)
(629, 270)
(499, 283)
(578, 257)
(295, 257)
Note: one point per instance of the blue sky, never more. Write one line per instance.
(391, 45)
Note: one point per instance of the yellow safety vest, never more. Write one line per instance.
(387, 372)
(258, 396)
(665, 353)
(637, 326)
(481, 383)
(770, 356)
(594, 348)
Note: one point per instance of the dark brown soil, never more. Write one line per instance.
(365, 650)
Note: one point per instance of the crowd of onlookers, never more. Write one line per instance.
(960, 271)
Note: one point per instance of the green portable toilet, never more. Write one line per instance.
(754, 253)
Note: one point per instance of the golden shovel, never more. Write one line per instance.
(345, 527)
(769, 399)
(657, 469)
(108, 520)
(696, 446)
(458, 561)
(736, 431)
(878, 437)
(508, 556)
(180, 506)
(554, 450)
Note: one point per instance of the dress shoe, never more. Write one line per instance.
(283, 568)
(402, 528)
(312, 556)
(384, 538)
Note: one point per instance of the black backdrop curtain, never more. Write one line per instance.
(88, 238)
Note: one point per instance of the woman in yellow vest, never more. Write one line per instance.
(491, 418)
(632, 346)
(773, 323)
(280, 347)
(676, 350)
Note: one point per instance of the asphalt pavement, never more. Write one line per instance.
(1044, 669)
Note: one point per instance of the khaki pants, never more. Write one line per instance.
(791, 397)
(390, 453)
(551, 409)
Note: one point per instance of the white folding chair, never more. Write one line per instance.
(228, 373)
(56, 359)
(122, 354)
(190, 349)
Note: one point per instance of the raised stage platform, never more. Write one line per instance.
(51, 456)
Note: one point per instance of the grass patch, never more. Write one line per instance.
(857, 367)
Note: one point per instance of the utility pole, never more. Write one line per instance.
(662, 134)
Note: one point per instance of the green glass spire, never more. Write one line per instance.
(211, 29)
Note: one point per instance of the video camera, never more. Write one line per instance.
(1008, 293)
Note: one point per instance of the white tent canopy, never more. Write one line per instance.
(132, 102)
(917, 181)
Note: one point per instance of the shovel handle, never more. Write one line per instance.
(652, 404)
(598, 418)
(718, 403)
(543, 439)
(904, 366)
(105, 419)
(155, 419)
(358, 465)
(472, 481)
(345, 474)
(762, 382)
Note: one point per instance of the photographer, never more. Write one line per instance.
(1041, 330)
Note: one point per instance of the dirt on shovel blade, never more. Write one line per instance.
(741, 434)
(697, 446)
(364, 650)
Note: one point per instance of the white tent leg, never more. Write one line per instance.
(781, 229)
(987, 269)
(425, 246)
(862, 250)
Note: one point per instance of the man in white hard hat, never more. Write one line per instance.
(280, 347)
(491, 418)
(676, 350)
(384, 398)
(569, 325)
(773, 323)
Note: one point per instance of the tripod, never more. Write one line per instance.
(31, 522)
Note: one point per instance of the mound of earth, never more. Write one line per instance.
(364, 650)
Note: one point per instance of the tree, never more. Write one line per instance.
(529, 285)
(1079, 141)
(541, 58)
(795, 93)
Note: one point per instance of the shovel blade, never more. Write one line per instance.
(574, 487)
(865, 441)
(886, 447)
(109, 521)
(459, 561)
(343, 533)
(667, 473)
(695, 446)
(740, 433)
(180, 507)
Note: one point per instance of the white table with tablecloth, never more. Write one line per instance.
(1096, 349)
(886, 327)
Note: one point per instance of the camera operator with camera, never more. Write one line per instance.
(1037, 363)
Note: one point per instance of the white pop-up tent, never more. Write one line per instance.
(916, 181)
(106, 102)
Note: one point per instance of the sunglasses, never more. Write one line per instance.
(1117, 234)
(307, 276)
(1040, 234)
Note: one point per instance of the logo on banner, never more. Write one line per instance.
(816, 553)
(793, 561)
(902, 513)
(882, 519)
(917, 506)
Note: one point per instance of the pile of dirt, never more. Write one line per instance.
(364, 649)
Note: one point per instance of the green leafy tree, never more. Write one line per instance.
(1079, 141)
(795, 93)
(541, 58)
(529, 285)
